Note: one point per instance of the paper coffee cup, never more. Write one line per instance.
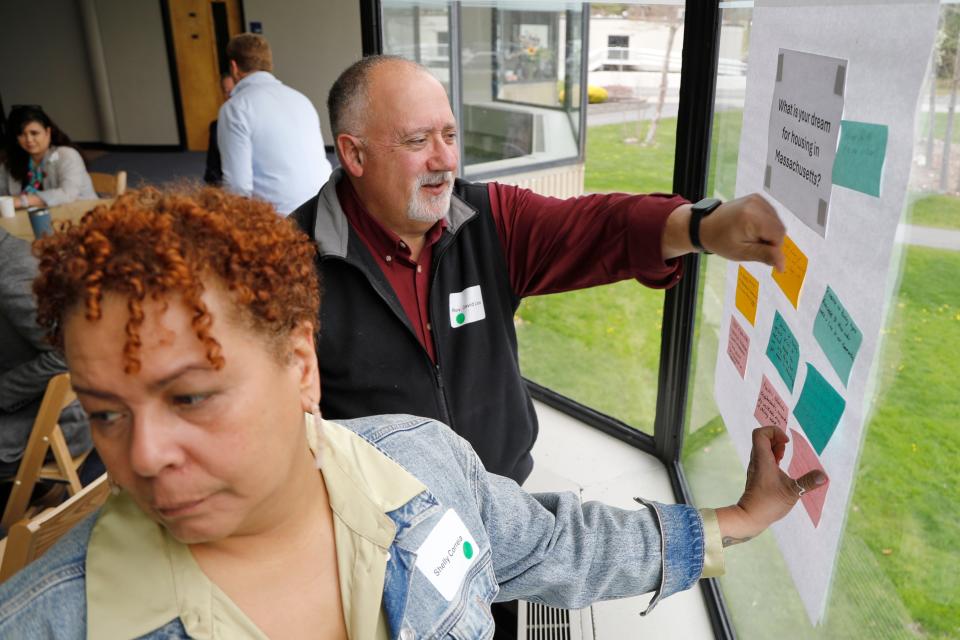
(7, 208)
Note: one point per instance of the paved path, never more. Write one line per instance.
(929, 237)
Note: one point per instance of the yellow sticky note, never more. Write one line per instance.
(791, 280)
(748, 290)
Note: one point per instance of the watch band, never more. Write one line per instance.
(697, 212)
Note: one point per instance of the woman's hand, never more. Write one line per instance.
(25, 200)
(769, 493)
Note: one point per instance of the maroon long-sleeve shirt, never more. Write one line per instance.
(550, 245)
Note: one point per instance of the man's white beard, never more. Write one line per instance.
(427, 208)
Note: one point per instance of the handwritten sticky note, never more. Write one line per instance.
(837, 334)
(738, 346)
(860, 156)
(804, 460)
(819, 409)
(791, 279)
(784, 350)
(748, 291)
(771, 409)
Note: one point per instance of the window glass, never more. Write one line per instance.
(518, 74)
(521, 86)
(419, 31)
(601, 346)
(897, 573)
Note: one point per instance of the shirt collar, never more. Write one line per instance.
(378, 238)
(257, 77)
(363, 483)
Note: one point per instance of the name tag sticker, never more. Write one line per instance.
(447, 554)
(466, 307)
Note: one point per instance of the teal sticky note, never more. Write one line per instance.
(783, 350)
(837, 334)
(819, 409)
(859, 161)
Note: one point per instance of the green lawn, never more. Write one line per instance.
(898, 572)
(602, 346)
(939, 126)
(936, 210)
(614, 165)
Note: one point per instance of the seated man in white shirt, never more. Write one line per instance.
(269, 134)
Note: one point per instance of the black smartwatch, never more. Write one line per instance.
(697, 212)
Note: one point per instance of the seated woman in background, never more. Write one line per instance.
(188, 324)
(39, 165)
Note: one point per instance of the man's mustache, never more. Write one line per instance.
(434, 178)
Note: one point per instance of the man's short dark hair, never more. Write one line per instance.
(251, 52)
(347, 100)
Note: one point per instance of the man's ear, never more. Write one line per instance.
(303, 360)
(234, 71)
(352, 154)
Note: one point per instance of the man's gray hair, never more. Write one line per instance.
(348, 99)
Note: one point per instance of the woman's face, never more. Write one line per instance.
(206, 453)
(34, 138)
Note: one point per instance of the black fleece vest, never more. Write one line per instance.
(372, 363)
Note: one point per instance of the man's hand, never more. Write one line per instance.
(745, 229)
(769, 493)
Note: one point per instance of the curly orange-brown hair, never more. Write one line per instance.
(152, 243)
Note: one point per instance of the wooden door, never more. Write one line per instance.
(200, 30)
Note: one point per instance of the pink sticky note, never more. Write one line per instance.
(805, 460)
(771, 409)
(738, 346)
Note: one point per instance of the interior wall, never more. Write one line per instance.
(138, 71)
(44, 61)
(312, 43)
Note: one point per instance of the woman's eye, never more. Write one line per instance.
(104, 418)
(189, 400)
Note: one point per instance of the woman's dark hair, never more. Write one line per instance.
(16, 159)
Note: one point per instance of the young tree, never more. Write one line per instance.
(948, 134)
(932, 121)
(675, 17)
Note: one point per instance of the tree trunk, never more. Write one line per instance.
(664, 80)
(933, 106)
(945, 161)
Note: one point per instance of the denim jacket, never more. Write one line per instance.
(548, 548)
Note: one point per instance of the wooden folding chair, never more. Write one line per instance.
(46, 435)
(109, 185)
(30, 539)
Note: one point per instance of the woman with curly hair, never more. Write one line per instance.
(187, 320)
(39, 165)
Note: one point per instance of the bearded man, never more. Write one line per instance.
(422, 273)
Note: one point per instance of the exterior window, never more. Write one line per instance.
(518, 73)
(896, 572)
(619, 47)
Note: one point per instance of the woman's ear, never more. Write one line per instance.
(303, 355)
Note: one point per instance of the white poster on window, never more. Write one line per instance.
(832, 91)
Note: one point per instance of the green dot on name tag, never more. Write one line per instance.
(467, 547)
(461, 318)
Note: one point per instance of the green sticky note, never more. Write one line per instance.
(837, 334)
(860, 156)
(783, 350)
(819, 409)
